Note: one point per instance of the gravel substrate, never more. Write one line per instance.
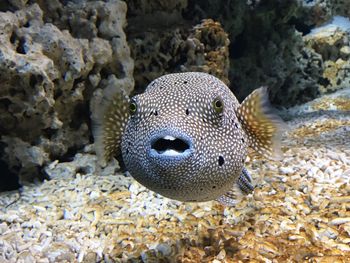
(300, 209)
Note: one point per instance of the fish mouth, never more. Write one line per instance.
(171, 146)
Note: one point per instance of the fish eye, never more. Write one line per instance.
(132, 107)
(218, 105)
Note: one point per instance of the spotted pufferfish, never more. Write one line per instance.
(187, 136)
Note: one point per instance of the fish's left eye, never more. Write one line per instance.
(132, 107)
(218, 105)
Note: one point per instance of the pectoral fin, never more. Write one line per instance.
(245, 182)
(263, 126)
(243, 186)
(109, 125)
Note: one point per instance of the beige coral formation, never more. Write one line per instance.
(299, 211)
(332, 43)
(209, 44)
(203, 47)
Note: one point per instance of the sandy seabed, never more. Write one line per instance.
(299, 211)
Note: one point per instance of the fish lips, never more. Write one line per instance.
(170, 145)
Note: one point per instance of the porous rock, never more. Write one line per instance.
(49, 73)
(203, 47)
(317, 12)
(331, 41)
(207, 50)
(266, 49)
(267, 44)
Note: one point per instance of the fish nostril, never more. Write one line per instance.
(187, 112)
(221, 161)
(164, 144)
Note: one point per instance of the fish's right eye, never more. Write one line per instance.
(132, 107)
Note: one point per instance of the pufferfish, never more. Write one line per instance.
(187, 136)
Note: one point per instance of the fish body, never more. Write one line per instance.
(187, 136)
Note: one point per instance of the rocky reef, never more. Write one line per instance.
(58, 59)
(267, 44)
(53, 57)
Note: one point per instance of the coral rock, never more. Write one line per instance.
(49, 73)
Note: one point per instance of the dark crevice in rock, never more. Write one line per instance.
(324, 81)
(8, 180)
(66, 157)
(237, 47)
(300, 25)
(13, 37)
(80, 115)
(98, 22)
(18, 42)
(6, 6)
(49, 133)
(21, 49)
(105, 72)
(35, 80)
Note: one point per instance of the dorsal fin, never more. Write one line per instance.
(263, 126)
(109, 124)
